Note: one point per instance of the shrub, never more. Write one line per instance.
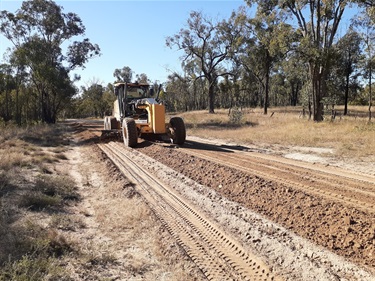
(236, 116)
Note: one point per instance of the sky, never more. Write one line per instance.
(132, 33)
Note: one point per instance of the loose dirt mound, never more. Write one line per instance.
(332, 223)
(342, 229)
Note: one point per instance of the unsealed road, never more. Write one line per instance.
(331, 207)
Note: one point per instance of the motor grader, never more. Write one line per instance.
(136, 113)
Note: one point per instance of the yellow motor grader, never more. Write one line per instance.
(136, 113)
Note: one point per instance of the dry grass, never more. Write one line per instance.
(130, 243)
(348, 135)
(31, 147)
(30, 246)
(28, 249)
(66, 222)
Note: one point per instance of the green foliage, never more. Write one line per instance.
(362, 97)
(95, 101)
(289, 53)
(38, 31)
(207, 45)
(124, 74)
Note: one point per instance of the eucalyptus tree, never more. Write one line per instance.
(38, 31)
(295, 77)
(349, 56)
(183, 90)
(177, 96)
(124, 74)
(267, 42)
(20, 77)
(6, 86)
(96, 100)
(279, 95)
(209, 44)
(230, 94)
(142, 78)
(318, 22)
(365, 24)
(369, 6)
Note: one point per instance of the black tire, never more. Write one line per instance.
(178, 130)
(129, 132)
(113, 123)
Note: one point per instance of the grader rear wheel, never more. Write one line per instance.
(177, 130)
(129, 132)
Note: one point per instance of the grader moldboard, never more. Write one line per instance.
(137, 114)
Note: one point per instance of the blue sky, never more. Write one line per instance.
(132, 33)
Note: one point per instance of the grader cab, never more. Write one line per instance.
(136, 113)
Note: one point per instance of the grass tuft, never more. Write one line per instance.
(29, 251)
(60, 186)
(33, 255)
(28, 268)
(38, 201)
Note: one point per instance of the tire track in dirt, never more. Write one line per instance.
(218, 255)
(342, 229)
(350, 192)
(342, 222)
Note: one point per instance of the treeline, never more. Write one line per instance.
(287, 53)
(35, 85)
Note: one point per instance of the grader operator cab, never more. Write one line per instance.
(136, 113)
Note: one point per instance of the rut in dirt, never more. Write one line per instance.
(343, 226)
(218, 255)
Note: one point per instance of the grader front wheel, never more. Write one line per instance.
(106, 123)
(177, 130)
(129, 132)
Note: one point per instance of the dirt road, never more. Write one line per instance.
(293, 220)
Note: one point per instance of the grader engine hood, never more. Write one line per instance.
(156, 114)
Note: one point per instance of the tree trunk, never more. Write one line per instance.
(370, 95)
(318, 91)
(18, 110)
(7, 97)
(294, 95)
(266, 94)
(211, 96)
(309, 106)
(267, 86)
(47, 110)
(18, 115)
(346, 95)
